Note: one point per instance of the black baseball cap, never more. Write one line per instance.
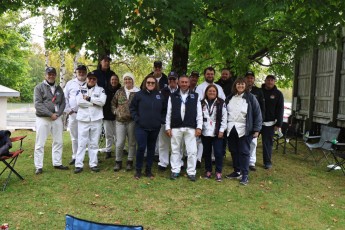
(92, 74)
(51, 70)
(271, 76)
(81, 67)
(249, 73)
(195, 73)
(157, 64)
(172, 75)
(106, 56)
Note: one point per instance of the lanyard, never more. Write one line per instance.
(210, 108)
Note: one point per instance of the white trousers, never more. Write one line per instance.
(200, 148)
(164, 145)
(88, 134)
(253, 145)
(124, 129)
(73, 131)
(110, 134)
(44, 126)
(186, 135)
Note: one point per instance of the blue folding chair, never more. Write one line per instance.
(74, 223)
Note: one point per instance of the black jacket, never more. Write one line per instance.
(107, 113)
(148, 109)
(274, 105)
(257, 92)
(226, 85)
(103, 77)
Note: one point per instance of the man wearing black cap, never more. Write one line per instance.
(274, 111)
(257, 92)
(193, 80)
(163, 139)
(159, 75)
(90, 100)
(226, 81)
(71, 109)
(103, 71)
(49, 104)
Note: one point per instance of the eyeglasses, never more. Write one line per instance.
(150, 82)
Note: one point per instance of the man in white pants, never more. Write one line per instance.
(183, 123)
(49, 104)
(164, 140)
(90, 100)
(71, 109)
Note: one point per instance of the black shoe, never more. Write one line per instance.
(78, 170)
(149, 174)
(174, 176)
(182, 168)
(244, 180)
(72, 162)
(107, 155)
(191, 178)
(61, 167)
(234, 175)
(268, 166)
(252, 168)
(129, 165)
(95, 169)
(137, 174)
(162, 168)
(118, 166)
(38, 171)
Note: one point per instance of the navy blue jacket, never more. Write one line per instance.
(148, 109)
(274, 105)
(253, 118)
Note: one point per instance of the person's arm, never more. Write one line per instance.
(199, 118)
(280, 110)
(62, 105)
(114, 103)
(101, 99)
(224, 122)
(133, 107)
(257, 118)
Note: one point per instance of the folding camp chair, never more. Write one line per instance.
(10, 161)
(290, 133)
(338, 153)
(328, 134)
(74, 223)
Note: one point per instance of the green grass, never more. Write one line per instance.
(293, 195)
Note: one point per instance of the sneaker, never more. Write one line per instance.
(118, 166)
(252, 168)
(72, 162)
(191, 178)
(234, 175)
(162, 168)
(137, 175)
(78, 170)
(218, 177)
(244, 180)
(95, 169)
(208, 175)
(61, 167)
(38, 171)
(268, 166)
(174, 176)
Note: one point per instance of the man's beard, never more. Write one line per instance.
(209, 80)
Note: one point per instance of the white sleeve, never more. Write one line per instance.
(199, 119)
(101, 99)
(67, 95)
(224, 122)
(221, 93)
(168, 116)
(199, 91)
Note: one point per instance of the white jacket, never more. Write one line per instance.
(91, 110)
(209, 119)
(200, 89)
(70, 91)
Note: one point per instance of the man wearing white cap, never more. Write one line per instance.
(90, 100)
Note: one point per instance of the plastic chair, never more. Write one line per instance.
(10, 161)
(74, 223)
(290, 133)
(338, 153)
(328, 134)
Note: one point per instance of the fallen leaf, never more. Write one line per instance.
(96, 195)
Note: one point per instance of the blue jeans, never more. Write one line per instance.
(267, 133)
(240, 151)
(145, 138)
(217, 144)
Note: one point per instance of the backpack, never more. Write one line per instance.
(5, 143)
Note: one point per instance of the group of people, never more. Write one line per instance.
(169, 114)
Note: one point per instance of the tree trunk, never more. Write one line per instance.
(75, 62)
(45, 26)
(62, 69)
(181, 48)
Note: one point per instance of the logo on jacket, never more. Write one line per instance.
(272, 96)
(192, 96)
(158, 97)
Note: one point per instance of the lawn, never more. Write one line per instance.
(294, 194)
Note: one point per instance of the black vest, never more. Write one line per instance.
(191, 104)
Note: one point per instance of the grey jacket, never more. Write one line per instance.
(45, 101)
